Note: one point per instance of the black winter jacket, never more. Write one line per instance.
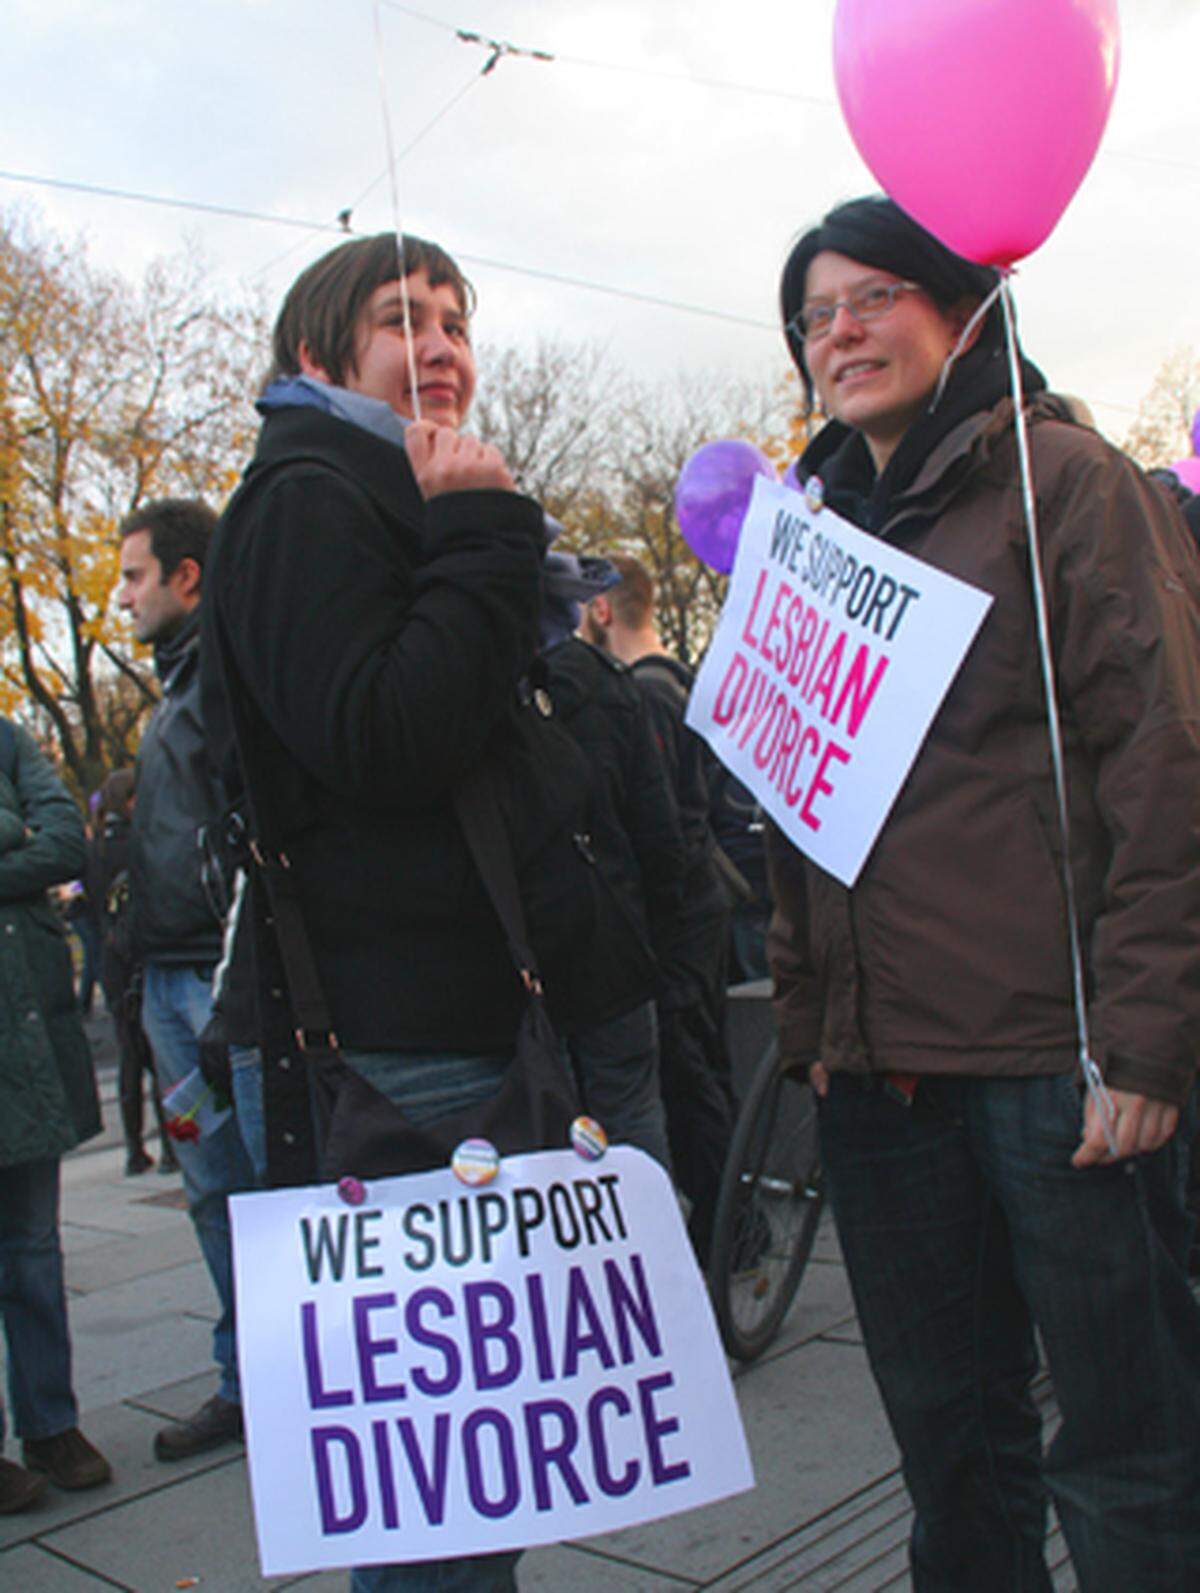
(692, 945)
(175, 915)
(636, 820)
(380, 644)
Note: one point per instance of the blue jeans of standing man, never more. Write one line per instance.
(33, 1302)
(176, 1004)
(427, 1087)
(964, 1227)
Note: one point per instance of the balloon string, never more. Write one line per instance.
(1091, 1073)
(401, 264)
(963, 339)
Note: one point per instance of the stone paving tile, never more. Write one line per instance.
(199, 1526)
(585, 1571)
(141, 1334)
(34, 1569)
(113, 1259)
(125, 1436)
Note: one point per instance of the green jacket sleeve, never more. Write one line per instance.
(54, 849)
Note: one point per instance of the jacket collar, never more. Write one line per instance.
(380, 468)
(172, 657)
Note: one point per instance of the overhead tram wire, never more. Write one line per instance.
(758, 91)
(563, 280)
(354, 204)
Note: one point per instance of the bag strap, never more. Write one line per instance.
(479, 817)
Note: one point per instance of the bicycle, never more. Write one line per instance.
(768, 1208)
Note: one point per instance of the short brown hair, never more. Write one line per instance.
(325, 303)
(180, 528)
(633, 600)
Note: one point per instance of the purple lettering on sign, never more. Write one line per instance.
(387, 1474)
(626, 1309)
(610, 1484)
(544, 1454)
(319, 1397)
(430, 1480)
(497, 1331)
(535, 1289)
(430, 1339)
(506, 1463)
(370, 1349)
(657, 1428)
(583, 1330)
(324, 1440)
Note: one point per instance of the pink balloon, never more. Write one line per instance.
(1188, 471)
(712, 496)
(979, 117)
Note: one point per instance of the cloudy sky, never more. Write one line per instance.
(670, 151)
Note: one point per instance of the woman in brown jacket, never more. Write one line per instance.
(976, 1196)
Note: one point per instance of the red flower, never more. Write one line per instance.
(182, 1128)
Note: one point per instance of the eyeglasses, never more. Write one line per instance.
(867, 303)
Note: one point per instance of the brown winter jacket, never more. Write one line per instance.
(950, 954)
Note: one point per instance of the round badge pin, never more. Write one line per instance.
(475, 1162)
(814, 494)
(352, 1190)
(588, 1139)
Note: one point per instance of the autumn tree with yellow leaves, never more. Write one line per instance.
(109, 395)
(603, 453)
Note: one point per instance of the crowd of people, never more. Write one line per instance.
(377, 655)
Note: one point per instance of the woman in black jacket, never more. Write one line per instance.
(372, 601)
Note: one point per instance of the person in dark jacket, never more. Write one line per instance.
(640, 842)
(176, 904)
(370, 635)
(983, 1201)
(120, 977)
(48, 1105)
(693, 944)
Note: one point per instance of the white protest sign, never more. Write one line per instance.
(444, 1371)
(831, 657)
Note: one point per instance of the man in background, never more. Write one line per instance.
(693, 948)
(177, 909)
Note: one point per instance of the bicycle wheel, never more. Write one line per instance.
(767, 1210)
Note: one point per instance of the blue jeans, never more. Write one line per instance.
(964, 1228)
(617, 1065)
(428, 1087)
(33, 1302)
(176, 1004)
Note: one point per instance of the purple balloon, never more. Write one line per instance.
(791, 477)
(713, 494)
(1196, 432)
(1188, 471)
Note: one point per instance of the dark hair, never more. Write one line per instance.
(180, 528)
(116, 793)
(633, 599)
(878, 233)
(325, 303)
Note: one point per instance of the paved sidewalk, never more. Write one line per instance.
(828, 1511)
